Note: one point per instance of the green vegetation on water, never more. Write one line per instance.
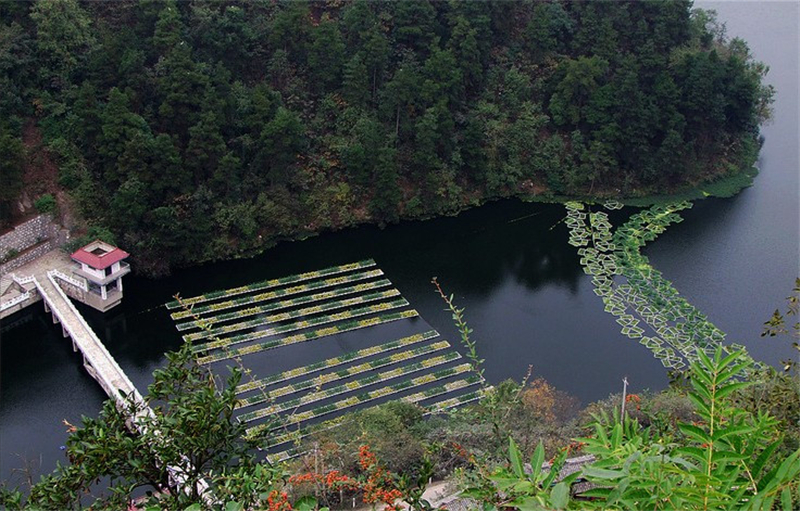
(268, 284)
(270, 295)
(610, 257)
(224, 342)
(319, 395)
(283, 304)
(336, 361)
(379, 393)
(364, 367)
(346, 326)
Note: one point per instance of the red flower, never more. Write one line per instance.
(278, 501)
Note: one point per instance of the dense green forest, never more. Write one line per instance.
(201, 130)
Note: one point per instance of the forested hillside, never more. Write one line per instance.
(203, 130)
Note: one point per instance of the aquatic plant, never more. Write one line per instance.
(347, 372)
(382, 392)
(222, 342)
(267, 284)
(320, 394)
(336, 361)
(204, 323)
(277, 293)
(630, 287)
(308, 336)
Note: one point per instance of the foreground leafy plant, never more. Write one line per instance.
(724, 460)
(204, 442)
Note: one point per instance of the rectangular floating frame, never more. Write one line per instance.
(344, 388)
(336, 361)
(379, 393)
(267, 284)
(326, 378)
(224, 342)
(307, 336)
(270, 295)
(298, 313)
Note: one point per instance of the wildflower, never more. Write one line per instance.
(278, 501)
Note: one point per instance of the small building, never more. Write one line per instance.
(102, 266)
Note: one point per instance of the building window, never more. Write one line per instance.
(108, 271)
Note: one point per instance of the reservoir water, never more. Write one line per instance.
(525, 294)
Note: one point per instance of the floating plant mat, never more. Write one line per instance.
(349, 302)
(298, 313)
(636, 294)
(267, 284)
(307, 336)
(438, 406)
(336, 361)
(320, 395)
(224, 342)
(347, 372)
(271, 295)
(283, 304)
(365, 397)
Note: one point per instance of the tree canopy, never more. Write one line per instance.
(254, 110)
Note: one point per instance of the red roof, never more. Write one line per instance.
(99, 262)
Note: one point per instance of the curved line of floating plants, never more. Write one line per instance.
(433, 408)
(307, 336)
(197, 310)
(224, 342)
(344, 388)
(326, 378)
(635, 293)
(267, 284)
(346, 358)
(292, 314)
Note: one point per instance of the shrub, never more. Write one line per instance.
(45, 204)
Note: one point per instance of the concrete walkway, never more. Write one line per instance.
(96, 358)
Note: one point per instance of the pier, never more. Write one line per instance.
(97, 361)
(50, 280)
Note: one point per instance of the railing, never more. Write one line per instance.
(81, 284)
(23, 280)
(93, 337)
(178, 474)
(14, 301)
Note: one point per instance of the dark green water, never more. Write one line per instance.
(525, 294)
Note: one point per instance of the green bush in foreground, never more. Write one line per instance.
(724, 460)
(45, 204)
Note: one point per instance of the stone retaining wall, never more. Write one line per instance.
(27, 257)
(31, 239)
(27, 234)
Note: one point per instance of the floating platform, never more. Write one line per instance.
(345, 303)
